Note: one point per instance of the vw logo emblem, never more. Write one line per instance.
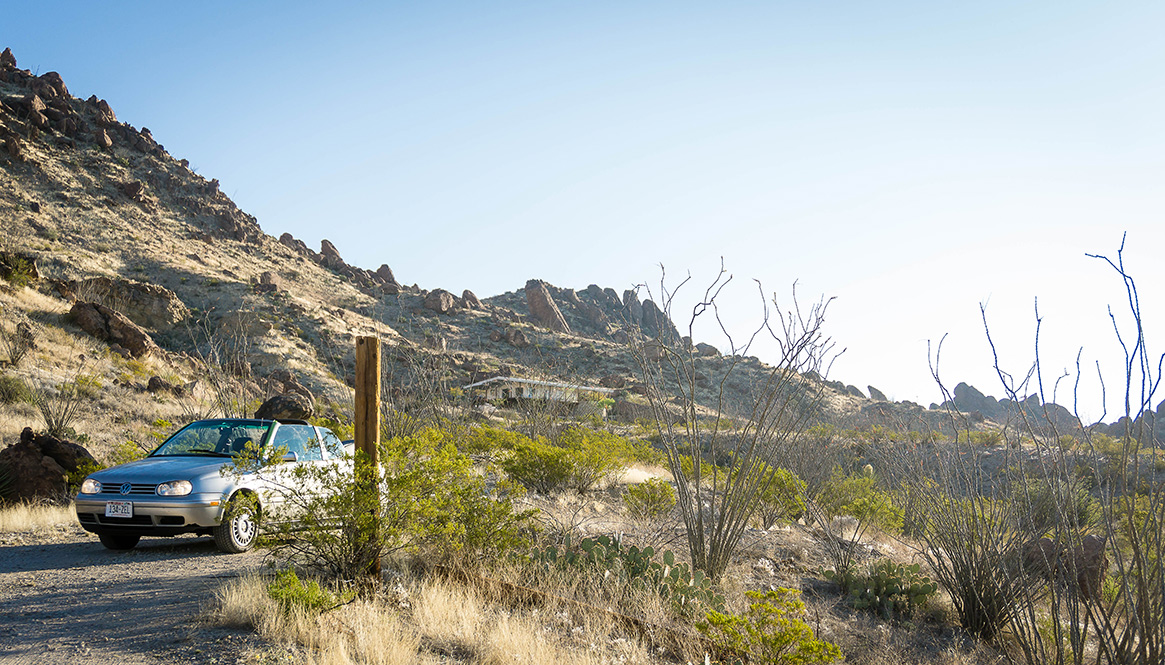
(125, 488)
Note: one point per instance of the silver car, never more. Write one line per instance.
(182, 488)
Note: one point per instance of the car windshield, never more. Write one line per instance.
(221, 438)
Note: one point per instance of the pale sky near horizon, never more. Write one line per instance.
(909, 159)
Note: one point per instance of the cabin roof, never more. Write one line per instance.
(535, 382)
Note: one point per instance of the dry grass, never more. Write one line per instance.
(33, 517)
(427, 621)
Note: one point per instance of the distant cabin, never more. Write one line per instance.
(508, 387)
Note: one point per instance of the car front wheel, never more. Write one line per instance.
(239, 528)
(118, 541)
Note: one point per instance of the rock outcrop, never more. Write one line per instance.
(37, 466)
(147, 305)
(440, 301)
(542, 307)
(113, 328)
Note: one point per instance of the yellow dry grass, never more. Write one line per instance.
(426, 621)
(32, 517)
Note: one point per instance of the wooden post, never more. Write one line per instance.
(367, 424)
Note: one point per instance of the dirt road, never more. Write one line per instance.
(64, 599)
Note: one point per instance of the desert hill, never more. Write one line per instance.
(107, 216)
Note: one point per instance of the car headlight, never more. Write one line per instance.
(175, 488)
(90, 486)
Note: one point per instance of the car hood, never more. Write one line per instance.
(162, 469)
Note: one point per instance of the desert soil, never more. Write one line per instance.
(64, 599)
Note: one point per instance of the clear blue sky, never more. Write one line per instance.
(912, 159)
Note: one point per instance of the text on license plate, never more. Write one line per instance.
(119, 509)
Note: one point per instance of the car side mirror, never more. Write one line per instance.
(290, 457)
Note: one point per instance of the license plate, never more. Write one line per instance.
(119, 509)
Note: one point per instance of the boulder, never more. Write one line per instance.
(101, 138)
(148, 305)
(385, 274)
(707, 350)
(876, 394)
(542, 307)
(269, 282)
(440, 301)
(613, 381)
(286, 407)
(632, 309)
(35, 104)
(104, 114)
(516, 338)
(471, 300)
(284, 381)
(134, 189)
(7, 60)
(329, 255)
(592, 313)
(159, 385)
(37, 466)
(14, 148)
(54, 81)
(113, 327)
(296, 245)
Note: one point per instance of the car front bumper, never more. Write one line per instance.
(160, 516)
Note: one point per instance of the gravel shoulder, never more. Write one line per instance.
(65, 599)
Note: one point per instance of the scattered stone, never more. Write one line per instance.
(113, 327)
(34, 207)
(134, 189)
(286, 407)
(543, 307)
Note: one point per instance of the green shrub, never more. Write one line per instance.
(888, 588)
(783, 498)
(599, 455)
(17, 269)
(650, 499)
(859, 497)
(429, 497)
(690, 592)
(540, 466)
(487, 440)
(770, 631)
(292, 594)
(13, 389)
(73, 479)
(1047, 505)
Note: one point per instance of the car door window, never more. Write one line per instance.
(299, 439)
(332, 443)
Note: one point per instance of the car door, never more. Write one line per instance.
(290, 486)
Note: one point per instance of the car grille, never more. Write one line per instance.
(136, 520)
(134, 488)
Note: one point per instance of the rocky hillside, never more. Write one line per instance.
(132, 250)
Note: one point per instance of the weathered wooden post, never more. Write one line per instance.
(367, 423)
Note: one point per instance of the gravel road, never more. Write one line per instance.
(64, 599)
